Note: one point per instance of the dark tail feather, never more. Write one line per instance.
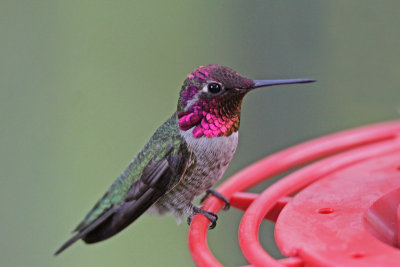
(68, 243)
(85, 231)
(143, 193)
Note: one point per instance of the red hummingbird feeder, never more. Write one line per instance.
(341, 208)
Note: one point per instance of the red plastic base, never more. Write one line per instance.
(342, 219)
(346, 214)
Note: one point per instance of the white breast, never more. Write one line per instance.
(219, 147)
(212, 157)
(212, 154)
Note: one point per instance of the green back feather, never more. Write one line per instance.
(166, 137)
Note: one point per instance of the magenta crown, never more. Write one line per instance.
(210, 115)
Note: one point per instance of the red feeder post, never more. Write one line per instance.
(340, 210)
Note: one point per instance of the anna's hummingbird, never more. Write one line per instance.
(184, 158)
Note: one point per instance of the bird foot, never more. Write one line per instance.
(210, 215)
(218, 195)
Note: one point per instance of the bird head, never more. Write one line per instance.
(211, 97)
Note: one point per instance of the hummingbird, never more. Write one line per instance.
(184, 158)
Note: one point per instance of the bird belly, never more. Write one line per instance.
(212, 157)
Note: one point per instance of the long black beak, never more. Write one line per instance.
(264, 83)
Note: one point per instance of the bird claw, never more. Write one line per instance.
(218, 195)
(210, 216)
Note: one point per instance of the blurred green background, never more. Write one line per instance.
(84, 84)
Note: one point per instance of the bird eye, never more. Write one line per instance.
(214, 88)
